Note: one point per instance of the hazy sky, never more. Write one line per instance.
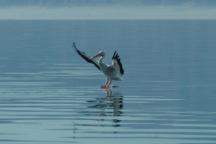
(108, 9)
(105, 2)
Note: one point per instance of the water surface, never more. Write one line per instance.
(48, 94)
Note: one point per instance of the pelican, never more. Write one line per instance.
(114, 71)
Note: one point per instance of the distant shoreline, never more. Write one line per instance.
(107, 13)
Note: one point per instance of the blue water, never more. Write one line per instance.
(48, 94)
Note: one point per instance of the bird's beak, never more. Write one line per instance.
(97, 55)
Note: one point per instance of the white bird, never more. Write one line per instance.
(112, 72)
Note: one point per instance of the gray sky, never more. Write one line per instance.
(108, 9)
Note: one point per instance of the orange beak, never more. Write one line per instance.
(97, 55)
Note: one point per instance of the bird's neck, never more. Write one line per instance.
(102, 64)
(100, 59)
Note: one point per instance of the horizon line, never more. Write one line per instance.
(108, 13)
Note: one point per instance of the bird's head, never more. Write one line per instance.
(99, 54)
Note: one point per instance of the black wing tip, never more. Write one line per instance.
(121, 68)
(122, 71)
(83, 56)
(74, 46)
(116, 56)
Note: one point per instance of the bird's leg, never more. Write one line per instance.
(108, 84)
(105, 85)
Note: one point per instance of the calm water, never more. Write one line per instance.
(48, 94)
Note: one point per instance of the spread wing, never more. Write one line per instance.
(86, 57)
(116, 62)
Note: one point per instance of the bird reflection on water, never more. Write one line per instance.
(111, 105)
(102, 111)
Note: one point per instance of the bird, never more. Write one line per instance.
(115, 71)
